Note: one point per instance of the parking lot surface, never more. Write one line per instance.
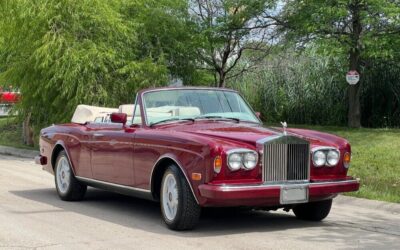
(33, 217)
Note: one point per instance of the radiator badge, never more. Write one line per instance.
(284, 125)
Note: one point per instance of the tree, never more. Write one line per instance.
(61, 53)
(359, 29)
(225, 29)
(166, 32)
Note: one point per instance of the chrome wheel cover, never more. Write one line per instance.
(170, 197)
(63, 175)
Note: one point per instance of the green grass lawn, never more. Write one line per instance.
(375, 156)
(375, 160)
(11, 133)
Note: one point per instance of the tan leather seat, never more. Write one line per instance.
(85, 113)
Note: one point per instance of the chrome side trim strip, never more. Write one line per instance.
(234, 187)
(84, 179)
(127, 190)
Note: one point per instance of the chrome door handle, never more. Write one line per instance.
(98, 135)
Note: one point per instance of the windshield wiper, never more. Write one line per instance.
(172, 119)
(217, 117)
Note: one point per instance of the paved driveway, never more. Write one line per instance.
(32, 216)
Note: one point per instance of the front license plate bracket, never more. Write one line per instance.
(293, 194)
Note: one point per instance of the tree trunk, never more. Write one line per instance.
(354, 115)
(222, 79)
(354, 91)
(28, 131)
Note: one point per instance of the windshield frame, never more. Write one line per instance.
(143, 102)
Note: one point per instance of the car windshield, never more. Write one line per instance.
(189, 104)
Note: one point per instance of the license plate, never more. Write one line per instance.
(294, 194)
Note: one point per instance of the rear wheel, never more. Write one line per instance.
(68, 187)
(313, 211)
(179, 208)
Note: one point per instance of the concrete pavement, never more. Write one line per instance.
(33, 217)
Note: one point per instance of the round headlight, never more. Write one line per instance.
(250, 160)
(319, 158)
(332, 158)
(234, 161)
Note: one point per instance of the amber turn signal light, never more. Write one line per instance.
(196, 176)
(346, 159)
(217, 164)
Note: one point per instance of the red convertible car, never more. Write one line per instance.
(190, 148)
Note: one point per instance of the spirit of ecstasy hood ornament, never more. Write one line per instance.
(284, 125)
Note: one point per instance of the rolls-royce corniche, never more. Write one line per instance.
(190, 148)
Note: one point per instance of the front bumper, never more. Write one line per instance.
(269, 195)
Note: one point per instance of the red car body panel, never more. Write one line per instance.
(9, 97)
(130, 157)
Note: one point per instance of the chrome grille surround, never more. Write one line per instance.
(285, 159)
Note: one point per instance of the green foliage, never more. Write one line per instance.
(301, 89)
(63, 53)
(225, 29)
(330, 24)
(360, 29)
(165, 32)
(11, 133)
(308, 88)
(381, 93)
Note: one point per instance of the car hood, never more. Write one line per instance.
(251, 133)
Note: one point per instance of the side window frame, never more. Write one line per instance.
(135, 109)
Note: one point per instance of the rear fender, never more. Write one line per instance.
(58, 147)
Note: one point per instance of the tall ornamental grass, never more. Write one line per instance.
(311, 89)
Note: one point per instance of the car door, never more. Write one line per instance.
(112, 153)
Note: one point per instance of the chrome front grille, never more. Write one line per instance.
(286, 158)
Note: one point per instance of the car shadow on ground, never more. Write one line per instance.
(142, 214)
(146, 216)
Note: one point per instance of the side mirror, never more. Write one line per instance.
(258, 114)
(119, 118)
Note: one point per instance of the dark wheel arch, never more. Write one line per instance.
(57, 149)
(158, 172)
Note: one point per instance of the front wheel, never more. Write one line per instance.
(68, 187)
(313, 211)
(178, 206)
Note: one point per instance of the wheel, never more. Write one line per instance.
(313, 211)
(179, 208)
(68, 187)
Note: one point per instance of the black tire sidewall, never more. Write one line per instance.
(313, 211)
(76, 190)
(178, 177)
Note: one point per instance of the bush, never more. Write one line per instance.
(297, 89)
(311, 89)
(61, 53)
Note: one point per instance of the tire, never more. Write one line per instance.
(179, 208)
(68, 187)
(313, 211)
